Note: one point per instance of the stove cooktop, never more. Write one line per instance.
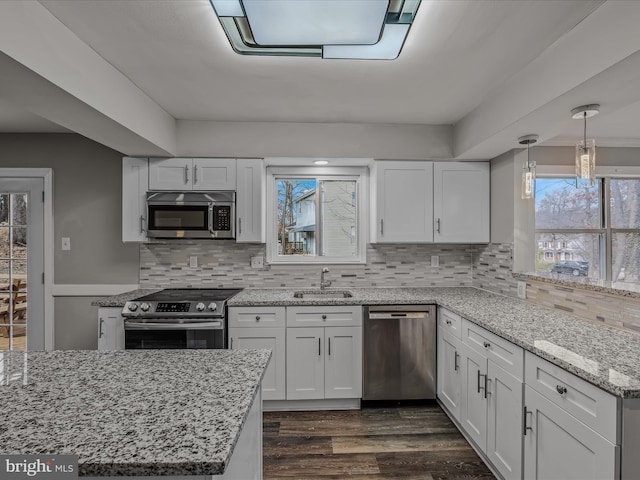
(181, 303)
(190, 295)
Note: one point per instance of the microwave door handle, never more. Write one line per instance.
(211, 218)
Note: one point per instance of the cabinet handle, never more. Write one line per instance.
(186, 174)
(324, 317)
(100, 328)
(195, 174)
(438, 225)
(319, 352)
(524, 421)
(448, 322)
(141, 223)
(561, 389)
(257, 318)
(239, 225)
(485, 383)
(486, 344)
(231, 347)
(455, 361)
(329, 346)
(381, 226)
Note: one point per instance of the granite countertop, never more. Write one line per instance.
(143, 412)
(602, 355)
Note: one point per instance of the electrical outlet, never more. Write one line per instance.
(522, 290)
(66, 243)
(257, 262)
(193, 261)
(435, 261)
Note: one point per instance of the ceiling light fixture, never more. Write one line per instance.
(355, 29)
(320, 162)
(528, 169)
(586, 149)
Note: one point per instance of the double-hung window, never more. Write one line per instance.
(316, 217)
(589, 232)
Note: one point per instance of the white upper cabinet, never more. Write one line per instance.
(135, 184)
(404, 202)
(461, 199)
(202, 174)
(250, 201)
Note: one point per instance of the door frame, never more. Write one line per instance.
(46, 174)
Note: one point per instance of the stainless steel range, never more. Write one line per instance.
(178, 318)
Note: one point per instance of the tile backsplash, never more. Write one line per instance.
(492, 269)
(224, 263)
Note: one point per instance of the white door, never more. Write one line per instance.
(270, 338)
(461, 201)
(22, 264)
(214, 174)
(170, 173)
(449, 377)
(473, 407)
(305, 363)
(504, 422)
(559, 446)
(343, 362)
(110, 329)
(250, 200)
(404, 202)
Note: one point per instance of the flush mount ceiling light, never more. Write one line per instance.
(355, 29)
(528, 169)
(586, 149)
(320, 162)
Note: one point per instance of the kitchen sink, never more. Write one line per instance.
(322, 294)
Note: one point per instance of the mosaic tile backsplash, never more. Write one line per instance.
(224, 263)
(492, 267)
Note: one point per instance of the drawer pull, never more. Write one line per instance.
(486, 344)
(324, 317)
(257, 318)
(448, 322)
(561, 389)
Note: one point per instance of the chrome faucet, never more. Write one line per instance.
(324, 284)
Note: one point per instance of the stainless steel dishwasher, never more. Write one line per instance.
(399, 352)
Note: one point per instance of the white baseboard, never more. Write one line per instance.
(88, 290)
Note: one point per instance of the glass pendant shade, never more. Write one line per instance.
(586, 161)
(528, 181)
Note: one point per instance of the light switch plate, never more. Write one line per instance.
(66, 243)
(522, 290)
(257, 262)
(435, 261)
(193, 261)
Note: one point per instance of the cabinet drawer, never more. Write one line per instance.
(325, 316)
(450, 322)
(256, 316)
(591, 405)
(502, 352)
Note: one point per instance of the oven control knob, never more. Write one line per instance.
(133, 307)
(200, 307)
(145, 307)
(212, 306)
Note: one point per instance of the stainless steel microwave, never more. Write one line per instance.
(191, 214)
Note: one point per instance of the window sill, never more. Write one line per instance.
(600, 286)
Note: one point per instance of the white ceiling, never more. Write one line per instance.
(459, 57)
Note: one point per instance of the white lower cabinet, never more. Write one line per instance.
(110, 329)
(473, 407)
(449, 375)
(558, 446)
(262, 328)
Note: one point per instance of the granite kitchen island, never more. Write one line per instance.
(169, 413)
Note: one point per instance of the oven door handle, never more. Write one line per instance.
(173, 326)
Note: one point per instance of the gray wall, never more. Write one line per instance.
(502, 191)
(87, 196)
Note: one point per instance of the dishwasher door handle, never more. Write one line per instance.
(399, 316)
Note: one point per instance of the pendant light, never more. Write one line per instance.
(528, 169)
(585, 149)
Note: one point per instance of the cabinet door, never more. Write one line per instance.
(449, 374)
(557, 445)
(250, 201)
(504, 432)
(305, 363)
(110, 329)
(461, 202)
(170, 173)
(343, 362)
(135, 184)
(214, 174)
(404, 202)
(473, 407)
(273, 383)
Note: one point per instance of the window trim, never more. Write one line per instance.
(562, 171)
(359, 174)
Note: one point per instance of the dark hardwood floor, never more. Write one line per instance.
(400, 442)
